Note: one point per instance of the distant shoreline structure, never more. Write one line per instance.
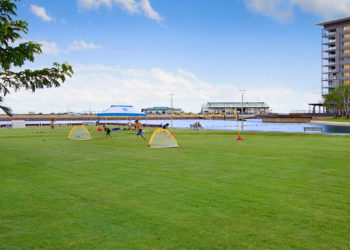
(47, 117)
(92, 118)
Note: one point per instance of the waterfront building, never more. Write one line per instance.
(160, 110)
(228, 107)
(335, 54)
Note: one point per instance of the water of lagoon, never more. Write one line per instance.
(248, 125)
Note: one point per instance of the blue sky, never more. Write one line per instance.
(139, 51)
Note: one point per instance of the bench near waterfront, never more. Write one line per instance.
(313, 129)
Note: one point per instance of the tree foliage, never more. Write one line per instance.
(339, 100)
(14, 54)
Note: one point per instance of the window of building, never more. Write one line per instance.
(347, 27)
(347, 81)
(346, 36)
(347, 74)
(347, 66)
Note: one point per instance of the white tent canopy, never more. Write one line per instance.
(121, 110)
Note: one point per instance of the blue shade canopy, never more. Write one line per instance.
(121, 110)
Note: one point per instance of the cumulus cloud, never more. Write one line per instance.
(82, 45)
(49, 48)
(131, 6)
(282, 10)
(99, 86)
(149, 11)
(40, 12)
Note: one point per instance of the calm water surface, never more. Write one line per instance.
(248, 125)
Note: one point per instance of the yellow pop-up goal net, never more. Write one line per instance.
(162, 138)
(79, 132)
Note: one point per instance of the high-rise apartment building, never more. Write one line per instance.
(335, 53)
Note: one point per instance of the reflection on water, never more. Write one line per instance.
(336, 129)
(248, 125)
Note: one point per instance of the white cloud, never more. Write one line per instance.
(94, 4)
(149, 11)
(40, 12)
(187, 73)
(49, 48)
(272, 8)
(327, 8)
(282, 10)
(82, 45)
(100, 86)
(130, 6)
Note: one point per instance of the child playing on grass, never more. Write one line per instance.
(138, 127)
(52, 125)
(165, 126)
(129, 125)
(107, 131)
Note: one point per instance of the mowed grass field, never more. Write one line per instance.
(277, 191)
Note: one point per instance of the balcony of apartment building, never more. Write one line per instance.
(329, 42)
(327, 89)
(329, 34)
(330, 49)
(344, 56)
(345, 66)
(330, 85)
(344, 32)
(345, 78)
(331, 65)
(329, 78)
(330, 56)
(330, 71)
(345, 37)
(345, 44)
(344, 48)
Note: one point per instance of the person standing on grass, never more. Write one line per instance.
(138, 127)
(129, 125)
(52, 125)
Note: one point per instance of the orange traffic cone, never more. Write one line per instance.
(239, 138)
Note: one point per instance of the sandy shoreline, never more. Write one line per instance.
(331, 123)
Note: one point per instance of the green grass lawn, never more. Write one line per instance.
(279, 191)
(340, 119)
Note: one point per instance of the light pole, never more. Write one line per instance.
(242, 92)
(171, 98)
(172, 112)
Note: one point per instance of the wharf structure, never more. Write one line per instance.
(160, 110)
(335, 54)
(228, 107)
